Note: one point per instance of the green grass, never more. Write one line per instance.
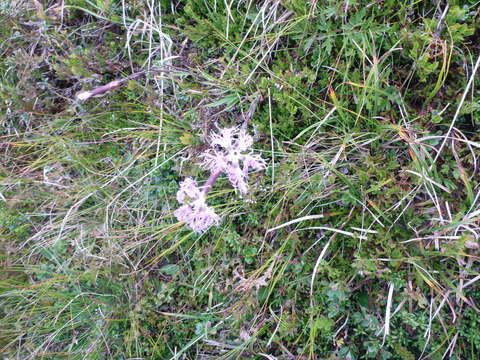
(359, 241)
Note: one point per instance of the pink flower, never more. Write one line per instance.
(198, 216)
(244, 141)
(194, 211)
(224, 138)
(229, 154)
(253, 161)
(214, 161)
(230, 149)
(237, 178)
(232, 139)
(188, 188)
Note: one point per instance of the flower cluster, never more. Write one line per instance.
(230, 150)
(230, 154)
(194, 210)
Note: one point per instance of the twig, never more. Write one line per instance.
(251, 110)
(441, 24)
(85, 95)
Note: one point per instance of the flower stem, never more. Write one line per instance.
(210, 181)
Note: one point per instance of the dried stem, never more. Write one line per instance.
(251, 110)
(85, 95)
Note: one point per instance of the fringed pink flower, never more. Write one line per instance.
(188, 189)
(230, 153)
(194, 211)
